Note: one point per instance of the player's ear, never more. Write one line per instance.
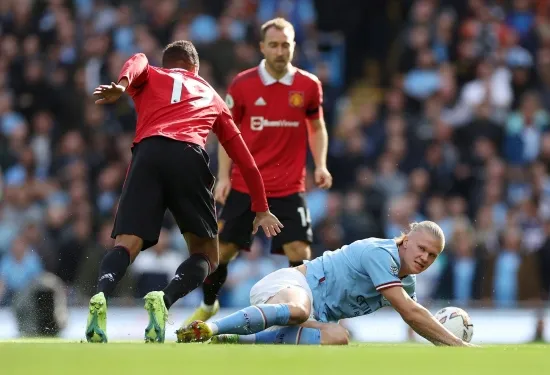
(405, 241)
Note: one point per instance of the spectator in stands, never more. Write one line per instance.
(18, 269)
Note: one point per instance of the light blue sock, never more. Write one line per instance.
(252, 319)
(294, 335)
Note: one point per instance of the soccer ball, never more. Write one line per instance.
(457, 321)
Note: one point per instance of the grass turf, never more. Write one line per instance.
(44, 357)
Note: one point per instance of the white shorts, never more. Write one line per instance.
(276, 281)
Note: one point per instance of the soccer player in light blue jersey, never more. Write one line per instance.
(303, 305)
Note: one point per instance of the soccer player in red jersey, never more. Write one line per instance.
(278, 109)
(176, 109)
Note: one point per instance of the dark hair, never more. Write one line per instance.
(180, 50)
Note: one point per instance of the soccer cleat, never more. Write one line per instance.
(96, 328)
(158, 314)
(202, 314)
(197, 331)
(225, 339)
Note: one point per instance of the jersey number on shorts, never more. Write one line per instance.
(203, 93)
(304, 216)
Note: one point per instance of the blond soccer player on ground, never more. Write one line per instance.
(303, 305)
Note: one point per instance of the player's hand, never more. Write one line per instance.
(108, 93)
(323, 178)
(269, 223)
(222, 189)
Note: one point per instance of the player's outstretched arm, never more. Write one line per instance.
(420, 319)
(133, 75)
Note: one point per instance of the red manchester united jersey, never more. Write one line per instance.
(272, 119)
(175, 103)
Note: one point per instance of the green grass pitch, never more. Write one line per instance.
(58, 357)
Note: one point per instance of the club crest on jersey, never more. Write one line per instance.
(296, 99)
(394, 269)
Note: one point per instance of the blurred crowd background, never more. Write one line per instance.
(435, 110)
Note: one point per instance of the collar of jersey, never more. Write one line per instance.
(268, 79)
(185, 71)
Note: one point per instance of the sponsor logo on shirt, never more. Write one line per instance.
(362, 307)
(257, 123)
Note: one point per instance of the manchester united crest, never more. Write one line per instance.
(296, 99)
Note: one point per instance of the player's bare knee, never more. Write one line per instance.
(297, 250)
(298, 313)
(228, 252)
(334, 334)
(132, 243)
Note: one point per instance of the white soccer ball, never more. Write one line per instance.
(457, 321)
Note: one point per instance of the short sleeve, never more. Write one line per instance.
(409, 284)
(235, 103)
(381, 268)
(314, 109)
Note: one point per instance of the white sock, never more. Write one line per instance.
(207, 308)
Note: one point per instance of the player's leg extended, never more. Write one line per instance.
(309, 333)
(290, 306)
(213, 284)
(112, 270)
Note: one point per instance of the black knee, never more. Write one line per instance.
(198, 265)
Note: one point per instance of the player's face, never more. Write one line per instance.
(278, 48)
(421, 250)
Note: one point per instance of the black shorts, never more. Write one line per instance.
(236, 220)
(166, 174)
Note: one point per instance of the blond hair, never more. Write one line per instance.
(427, 226)
(279, 23)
